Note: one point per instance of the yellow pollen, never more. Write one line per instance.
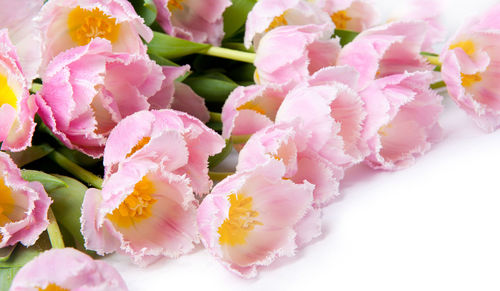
(144, 141)
(53, 287)
(252, 106)
(277, 21)
(174, 4)
(136, 207)
(382, 130)
(7, 96)
(467, 46)
(340, 19)
(240, 222)
(84, 25)
(469, 80)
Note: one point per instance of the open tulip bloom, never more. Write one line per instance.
(122, 90)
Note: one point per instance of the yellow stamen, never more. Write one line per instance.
(234, 230)
(136, 207)
(84, 25)
(144, 141)
(277, 21)
(383, 129)
(175, 4)
(7, 96)
(340, 19)
(467, 46)
(250, 105)
(469, 80)
(53, 287)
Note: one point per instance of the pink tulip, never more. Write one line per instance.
(250, 218)
(23, 206)
(402, 121)
(150, 135)
(67, 269)
(469, 69)
(269, 14)
(17, 106)
(354, 15)
(144, 210)
(69, 23)
(288, 55)
(250, 108)
(198, 21)
(87, 90)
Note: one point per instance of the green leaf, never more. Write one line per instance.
(170, 47)
(49, 182)
(6, 252)
(10, 267)
(79, 157)
(214, 87)
(146, 9)
(215, 125)
(235, 16)
(161, 60)
(30, 154)
(67, 210)
(213, 161)
(346, 36)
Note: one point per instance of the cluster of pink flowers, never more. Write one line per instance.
(316, 109)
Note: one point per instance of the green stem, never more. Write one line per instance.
(216, 117)
(433, 60)
(35, 87)
(75, 169)
(240, 139)
(229, 54)
(54, 232)
(437, 85)
(219, 176)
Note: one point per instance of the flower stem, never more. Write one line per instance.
(215, 116)
(219, 176)
(35, 87)
(75, 169)
(229, 54)
(433, 60)
(240, 139)
(54, 232)
(437, 85)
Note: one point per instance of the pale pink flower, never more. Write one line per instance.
(402, 121)
(269, 14)
(198, 21)
(87, 90)
(19, 18)
(23, 206)
(69, 23)
(250, 108)
(393, 48)
(354, 15)
(67, 269)
(332, 115)
(281, 142)
(288, 55)
(144, 210)
(17, 106)
(150, 135)
(249, 219)
(469, 68)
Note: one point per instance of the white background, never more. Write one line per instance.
(434, 226)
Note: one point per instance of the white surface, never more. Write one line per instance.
(434, 226)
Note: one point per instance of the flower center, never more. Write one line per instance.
(277, 21)
(383, 129)
(252, 106)
(84, 25)
(469, 80)
(467, 46)
(340, 19)
(53, 287)
(136, 207)
(174, 4)
(240, 222)
(144, 141)
(7, 96)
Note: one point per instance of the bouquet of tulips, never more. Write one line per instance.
(115, 117)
